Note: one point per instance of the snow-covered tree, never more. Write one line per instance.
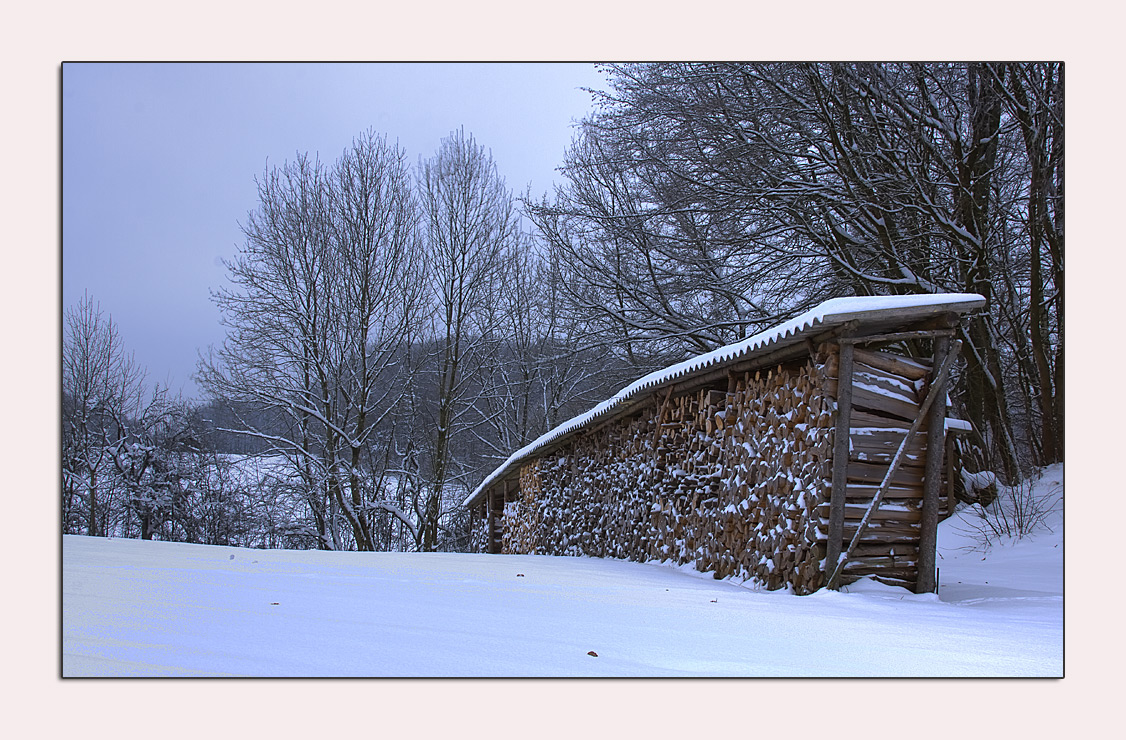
(324, 290)
(470, 229)
(101, 386)
(707, 200)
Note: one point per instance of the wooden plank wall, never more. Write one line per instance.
(887, 393)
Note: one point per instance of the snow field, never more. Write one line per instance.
(134, 608)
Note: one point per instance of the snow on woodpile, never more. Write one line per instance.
(732, 483)
(833, 312)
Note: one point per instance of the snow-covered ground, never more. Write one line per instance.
(133, 608)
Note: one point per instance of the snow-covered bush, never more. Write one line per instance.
(1020, 509)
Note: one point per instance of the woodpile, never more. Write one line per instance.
(728, 481)
(736, 481)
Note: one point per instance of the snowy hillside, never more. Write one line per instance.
(165, 609)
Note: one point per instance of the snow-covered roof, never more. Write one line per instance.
(886, 311)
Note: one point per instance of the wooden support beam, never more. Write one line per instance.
(840, 457)
(939, 381)
(932, 474)
(898, 336)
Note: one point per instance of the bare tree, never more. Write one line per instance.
(153, 460)
(101, 386)
(663, 250)
(540, 375)
(324, 289)
(470, 224)
(706, 199)
(1033, 96)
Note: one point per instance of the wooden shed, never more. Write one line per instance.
(733, 460)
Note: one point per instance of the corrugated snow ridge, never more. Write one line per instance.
(834, 311)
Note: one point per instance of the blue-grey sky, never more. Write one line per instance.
(159, 162)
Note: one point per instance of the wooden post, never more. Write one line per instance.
(932, 475)
(840, 459)
(951, 498)
(490, 523)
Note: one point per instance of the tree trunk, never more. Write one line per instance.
(1032, 96)
(147, 528)
(92, 518)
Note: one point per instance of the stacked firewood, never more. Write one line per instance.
(730, 481)
(522, 528)
(478, 534)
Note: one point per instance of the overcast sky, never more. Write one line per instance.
(159, 162)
